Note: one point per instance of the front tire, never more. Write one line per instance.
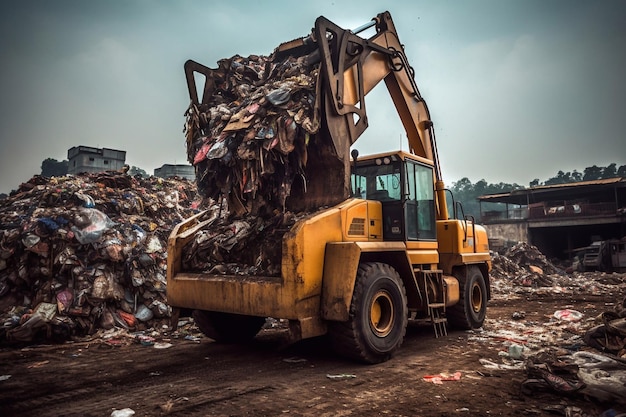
(227, 327)
(471, 310)
(378, 318)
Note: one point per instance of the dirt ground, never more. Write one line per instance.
(184, 374)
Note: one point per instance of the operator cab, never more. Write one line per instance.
(404, 184)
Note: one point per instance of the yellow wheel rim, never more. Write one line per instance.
(476, 298)
(381, 313)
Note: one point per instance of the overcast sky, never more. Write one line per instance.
(517, 89)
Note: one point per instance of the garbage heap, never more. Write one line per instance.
(523, 265)
(248, 140)
(523, 269)
(87, 252)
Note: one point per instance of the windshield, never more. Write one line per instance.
(377, 182)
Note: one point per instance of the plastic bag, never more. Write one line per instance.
(90, 224)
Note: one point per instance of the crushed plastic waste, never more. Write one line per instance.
(610, 336)
(500, 366)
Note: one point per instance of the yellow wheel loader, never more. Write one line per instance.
(378, 246)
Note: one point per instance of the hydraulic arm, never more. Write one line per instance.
(351, 66)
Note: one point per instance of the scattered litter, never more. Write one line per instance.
(568, 315)
(500, 366)
(340, 376)
(568, 411)
(162, 345)
(115, 342)
(611, 335)
(599, 375)
(124, 412)
(518, 315)
(516, 351)
(4, 377)
(439, 378)
(145, 340)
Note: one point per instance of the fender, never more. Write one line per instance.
(341, 262)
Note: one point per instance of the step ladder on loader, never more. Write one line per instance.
(435, 300)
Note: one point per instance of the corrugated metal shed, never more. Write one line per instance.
(597, 189)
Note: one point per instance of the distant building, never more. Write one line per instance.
(558, 219)
(89, 159)
(181, 170)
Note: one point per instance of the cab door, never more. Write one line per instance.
(419, 202)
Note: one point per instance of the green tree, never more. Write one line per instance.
(621, 171)
(467, 193)
(592, 173)
(576, 176)
(609, 171)
(53, 168)
(561, 178)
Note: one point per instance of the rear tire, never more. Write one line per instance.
(227, 327)
(471, 310)
(378, 316)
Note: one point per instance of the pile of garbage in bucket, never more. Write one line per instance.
(249, 142)
(87, 252)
